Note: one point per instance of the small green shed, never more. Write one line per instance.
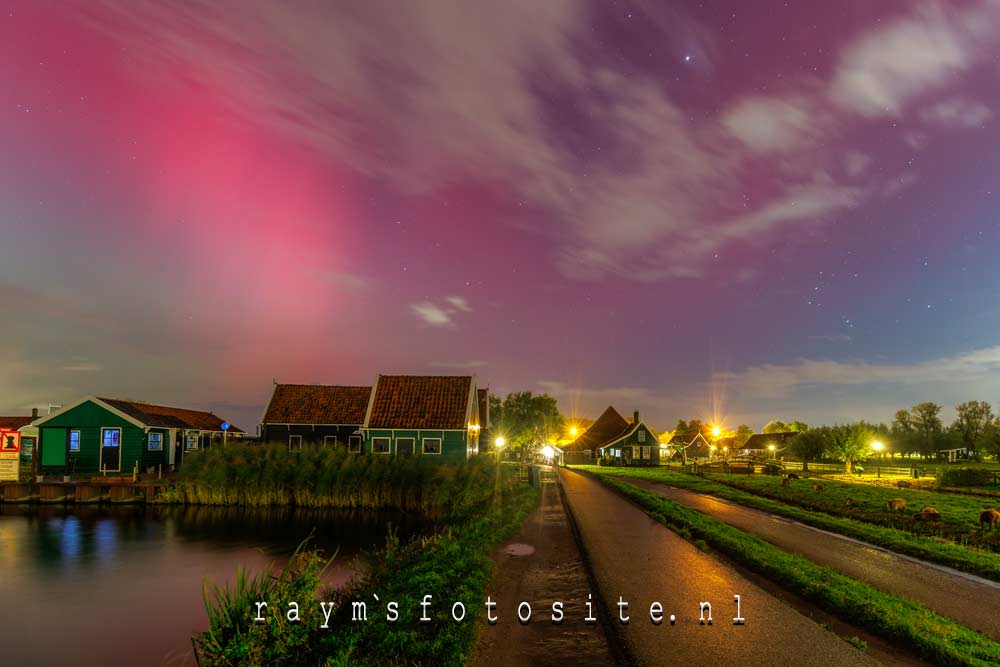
(95, 435)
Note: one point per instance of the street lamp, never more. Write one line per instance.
(716, 431)
(878, 446)
(500, 442)
(548, 452)
(711, 452)
(572, 431)
(771, 447)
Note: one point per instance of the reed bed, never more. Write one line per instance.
(324, 477)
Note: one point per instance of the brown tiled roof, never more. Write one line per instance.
(420, 402)
(483, 397)
(609, 426)
(162, 416)
(317, 404)
(13, 423)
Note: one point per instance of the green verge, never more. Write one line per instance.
(453, 565)
(932, 636)
(974, 561)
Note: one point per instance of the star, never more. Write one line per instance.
(688, 57)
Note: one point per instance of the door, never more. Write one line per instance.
(111, 449)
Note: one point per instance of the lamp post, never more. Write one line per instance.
(716, 431)
(771, 449)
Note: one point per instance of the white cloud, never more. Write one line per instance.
(891, 65)
(432, 314)
(783, 380)
(856, 163)
(459, 302)
(475, 363)
(768, 124)
(957, 112)
(82, 367)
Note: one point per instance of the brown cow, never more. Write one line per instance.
(818, 487)
(989, 518)
(927, 514)
(792, 475)
(903, 484)
(896, 504)
(784, 481)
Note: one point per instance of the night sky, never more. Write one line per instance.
(735, 211)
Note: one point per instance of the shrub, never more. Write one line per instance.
(965, 477)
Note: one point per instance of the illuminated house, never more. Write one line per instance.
(690, 447)
(619, 441)
(759, 444)
(96, 434)
(301, 414)
(418, 415)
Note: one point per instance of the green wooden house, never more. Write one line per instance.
(623, 443)
(95, 435)
(431, 416)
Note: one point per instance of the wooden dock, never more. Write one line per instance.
(113, 490)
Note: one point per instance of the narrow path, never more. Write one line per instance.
(540, 565)
(959, 596)
(635, 557)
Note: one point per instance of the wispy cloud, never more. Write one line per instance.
(459, 303)
(460, 365)
(82, 367)
(432, 314)
(957, 112)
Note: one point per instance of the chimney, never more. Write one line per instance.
(635, 417)
(34, 413)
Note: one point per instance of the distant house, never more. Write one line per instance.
(606, 428)
(29, 435)
(95, 434)
(302, 414)
(759, 444)
(619, 441)
(690, 447)
(416, 415)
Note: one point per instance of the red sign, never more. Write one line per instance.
(10, 442)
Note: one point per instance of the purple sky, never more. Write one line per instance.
(736, 211)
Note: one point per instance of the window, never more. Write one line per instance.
(295, 443)
(642, 435)
(645, 452)
(380, 445)
(111, 437)
(354, 444)
(432, 445)
(155, 442)
(74, 441)
(330, 441)
(405, 446)
(191, 441)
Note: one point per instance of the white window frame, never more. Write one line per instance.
(388, 449)
(295, 438)
(413, 442)
(79, 440)
(111, 429)
(354, 443)
(423, 446)
(642, 435)
(330, 440)
(192, 437)
(149, 442)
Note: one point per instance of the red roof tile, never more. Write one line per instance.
(317, 404)
(13, 423)
(166, 417)
(421, 402)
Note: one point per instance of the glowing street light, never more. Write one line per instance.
(572, 431)
(500, 442)
(771, 447)
(548, 452)
(716, 431)
(877, 445)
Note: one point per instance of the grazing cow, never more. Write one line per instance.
(927, 514)
(792, 475)
(989, 518)
(896, 504)
(818, 487)
(903, 484)
(784, 481)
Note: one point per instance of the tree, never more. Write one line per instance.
(525, 420)
(974, 418)
(849, 442)
(991, 438)
(926, 421)
(741, 435)
(775, 426)
(798, 427)
(808, 446)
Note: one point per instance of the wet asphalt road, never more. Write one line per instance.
(637, 558)
(964, 598)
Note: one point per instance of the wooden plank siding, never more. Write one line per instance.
(89, 418)
(453, 443)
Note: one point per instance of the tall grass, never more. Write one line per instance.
(327, 477)
(452, 565)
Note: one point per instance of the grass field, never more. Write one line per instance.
(920, 544)
(934, 637)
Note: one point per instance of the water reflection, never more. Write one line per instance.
(84, 569)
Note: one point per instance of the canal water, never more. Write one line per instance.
(123, 585)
